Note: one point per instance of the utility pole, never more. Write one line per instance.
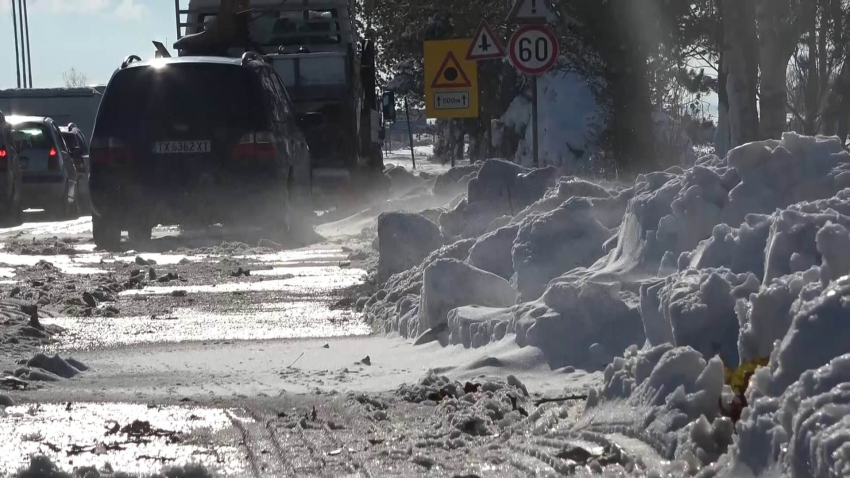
(17, 51)
(29, 53)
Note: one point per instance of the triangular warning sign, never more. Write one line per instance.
(533, 11)
(485, 44)
(451, 74)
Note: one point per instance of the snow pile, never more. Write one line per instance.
(573, 319)
(449, 283)
(696, 308)
(550, 244)
(797, 421)
(402, 181)
(499, 189)
(470, 409)
(667, 397)
(566, 140)
(404, 240)
(671, 214)
(455, 181)
(492, 252)
(395, 308)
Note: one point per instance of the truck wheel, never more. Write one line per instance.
(139, 235)
(107, 234)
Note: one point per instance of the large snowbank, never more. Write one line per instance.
(688, 270)
(797, 420)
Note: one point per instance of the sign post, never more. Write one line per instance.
(533, 50)
(410, 131)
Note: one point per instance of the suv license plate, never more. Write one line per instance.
(182, 147)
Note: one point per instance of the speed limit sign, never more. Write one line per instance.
(534, 49)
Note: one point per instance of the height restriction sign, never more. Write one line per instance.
(451, 81)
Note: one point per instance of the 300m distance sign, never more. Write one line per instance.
(534, 49)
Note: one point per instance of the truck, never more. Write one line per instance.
(63, 105)
(328, 70)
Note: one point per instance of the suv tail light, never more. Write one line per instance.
(256, 145)
(108, 151)
(53, 160)
(4, 159)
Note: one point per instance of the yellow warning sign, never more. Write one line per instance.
(451, 82)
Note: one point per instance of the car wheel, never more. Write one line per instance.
(68, 210)
(107, 234)
(12, 214)
(139, 235)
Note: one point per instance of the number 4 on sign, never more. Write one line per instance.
(485, 45)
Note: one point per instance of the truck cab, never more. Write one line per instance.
(328, 72)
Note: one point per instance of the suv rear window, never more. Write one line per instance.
(31, 136)
(192, 93)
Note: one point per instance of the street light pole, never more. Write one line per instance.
(29, 53)
(17, 52)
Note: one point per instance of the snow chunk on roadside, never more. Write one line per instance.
(818, 333)
(575, 317)
(395, 308)
(500, 188)
(404, 240)
(668, 397)
(805, 431)
(455, 180)
(553, 243)
(697, 309)
(449, 283)
(492, 252)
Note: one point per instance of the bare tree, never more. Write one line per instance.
(75, 79)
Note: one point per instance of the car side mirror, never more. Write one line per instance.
(310, 120)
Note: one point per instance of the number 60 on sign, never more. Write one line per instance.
(534, 49)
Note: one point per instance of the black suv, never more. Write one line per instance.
(194, 141)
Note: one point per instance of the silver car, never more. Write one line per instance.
(48, 173)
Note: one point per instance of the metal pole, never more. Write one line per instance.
(177, 14)
(534, 119)
(17, 54)
(29, 53)
(409, 131)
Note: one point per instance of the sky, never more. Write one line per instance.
(91, 36)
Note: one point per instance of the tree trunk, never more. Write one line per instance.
(811, 67)
(628, 87)
(841, 100)
(778, 35)
(740, 45)
(721, 136)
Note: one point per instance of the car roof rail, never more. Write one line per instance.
(129, 60)
(249, 56)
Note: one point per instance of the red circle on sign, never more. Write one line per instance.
(550, 61)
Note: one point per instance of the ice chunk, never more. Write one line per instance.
(404, 240)
(492, 252)
(551, 244)
(449, 283)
